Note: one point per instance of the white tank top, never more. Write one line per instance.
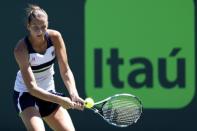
(41, 65)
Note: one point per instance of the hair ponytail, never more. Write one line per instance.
(33, 11)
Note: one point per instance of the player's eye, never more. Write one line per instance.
(35, 28)
(44, 27)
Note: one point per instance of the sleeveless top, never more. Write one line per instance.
(41, 65)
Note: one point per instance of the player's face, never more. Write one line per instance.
(38, 27)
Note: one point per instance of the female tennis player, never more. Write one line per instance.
(34, 91)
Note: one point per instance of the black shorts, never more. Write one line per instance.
(22, 100)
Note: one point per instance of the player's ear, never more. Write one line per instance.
(28, 26)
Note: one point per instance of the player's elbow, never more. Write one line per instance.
(32, 88)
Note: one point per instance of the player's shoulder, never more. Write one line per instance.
(55, 36)
(20, 47)
(53, 33)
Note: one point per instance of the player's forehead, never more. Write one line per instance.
(39, 21)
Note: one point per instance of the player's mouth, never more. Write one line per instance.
(39, 35)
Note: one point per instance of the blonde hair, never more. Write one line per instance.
(34, 11)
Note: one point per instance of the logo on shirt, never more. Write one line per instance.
(53, 53)
(33, 59)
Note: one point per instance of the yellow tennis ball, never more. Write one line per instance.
(89, 102)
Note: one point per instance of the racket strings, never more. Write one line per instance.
(122, 119)
(122, 111)
(124, 116)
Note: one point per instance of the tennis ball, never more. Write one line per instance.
(89, 102)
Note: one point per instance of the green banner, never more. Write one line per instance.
(145, 48)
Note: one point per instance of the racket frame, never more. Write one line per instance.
(98, 110)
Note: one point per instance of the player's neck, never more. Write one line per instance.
(36, 42)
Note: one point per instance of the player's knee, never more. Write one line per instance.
(36, 126)
(68, 128)
(35, 129)
(71, 129)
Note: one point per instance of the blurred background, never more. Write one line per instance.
(74, 22)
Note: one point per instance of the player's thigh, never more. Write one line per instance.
(60, 120)
(32, 119)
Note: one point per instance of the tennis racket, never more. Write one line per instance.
(120, 110)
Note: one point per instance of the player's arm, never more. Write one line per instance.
(21, 56)
(65, 71)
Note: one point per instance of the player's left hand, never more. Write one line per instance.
(78, 102)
